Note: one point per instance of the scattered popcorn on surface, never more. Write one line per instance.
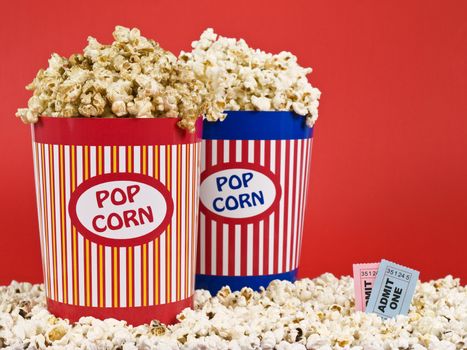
(313, 314)
(132, 77)
(247, 79)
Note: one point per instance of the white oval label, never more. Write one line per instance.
(240, 192)
(121, 209)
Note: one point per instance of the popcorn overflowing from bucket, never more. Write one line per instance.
(132, 77)
(244, 78)
(135, 77)
(308, 314)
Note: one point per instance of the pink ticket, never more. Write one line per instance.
(364, 276)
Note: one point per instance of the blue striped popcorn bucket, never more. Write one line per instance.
(254, 178)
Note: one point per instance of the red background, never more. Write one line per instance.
(389, 169)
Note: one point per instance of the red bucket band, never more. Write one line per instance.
(133, 315)
(117, 204)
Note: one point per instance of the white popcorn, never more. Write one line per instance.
(247, 79)
(308, 314)
(132, 77)
(261, 103)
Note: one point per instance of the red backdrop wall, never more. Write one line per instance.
(389, 169)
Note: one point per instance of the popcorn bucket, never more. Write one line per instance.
(254, 176)
(117, 204)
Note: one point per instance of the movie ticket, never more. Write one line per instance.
(364, 276)
(393, 290)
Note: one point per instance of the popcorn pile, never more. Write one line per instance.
(135, 77)
(132, 77)
(247, 79)
(308, 314)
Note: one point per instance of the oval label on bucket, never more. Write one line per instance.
(121, 209)
(239, 192)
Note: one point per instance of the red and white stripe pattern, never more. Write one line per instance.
(266, 246)
(80, 272)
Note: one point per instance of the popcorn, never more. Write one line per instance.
(308, 314)
(244, 78)
(132, 77)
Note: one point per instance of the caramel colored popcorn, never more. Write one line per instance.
(132, 77)
(243, 78)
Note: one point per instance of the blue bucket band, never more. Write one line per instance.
(214, 283)
(258, 125)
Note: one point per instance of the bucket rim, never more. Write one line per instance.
(113, 131)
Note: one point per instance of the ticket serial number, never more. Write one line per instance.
(398, 274)
(368, 273)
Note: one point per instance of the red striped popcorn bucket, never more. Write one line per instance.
(117, 204)
(254, 176)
